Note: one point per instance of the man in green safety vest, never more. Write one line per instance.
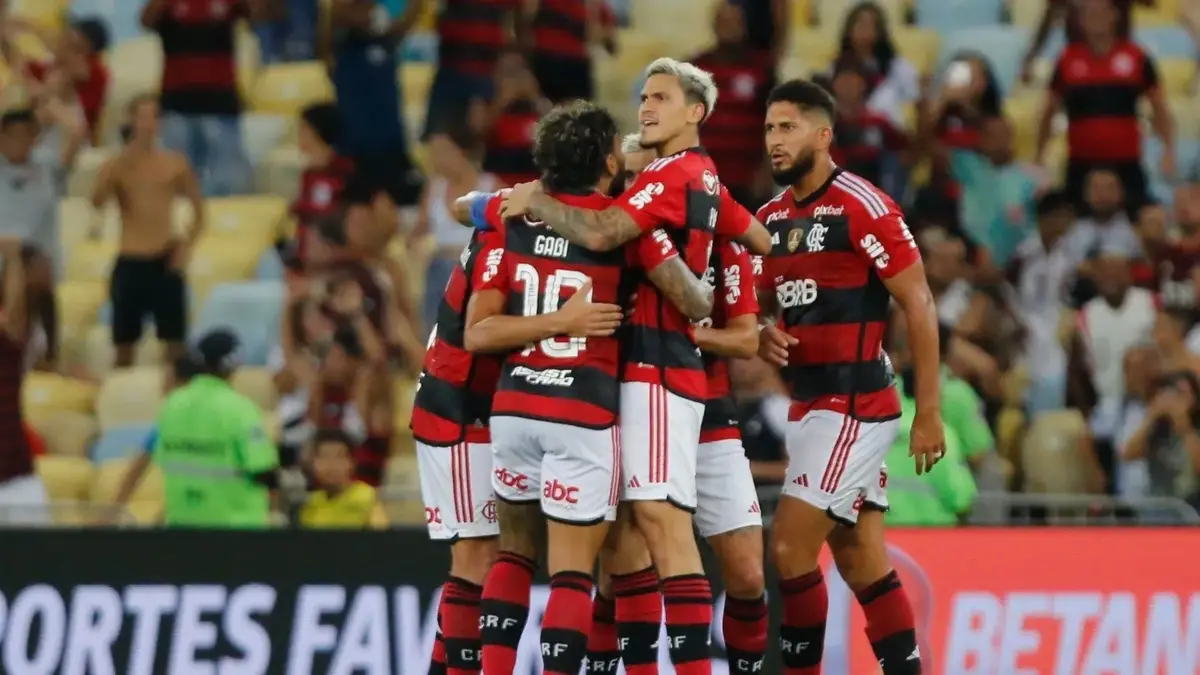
(218, 461)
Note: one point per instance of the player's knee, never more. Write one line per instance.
(742, 563)
(522, 529)
(470, 559)
(860, 563)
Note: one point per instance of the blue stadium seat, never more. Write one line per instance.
(270, 267)
(1166, 42)
(949, 15)
(123, 18)
(253, 310)
(1004, 47)
(120, 442)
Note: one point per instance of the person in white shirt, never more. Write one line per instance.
(1040, 274)
(1107, 227)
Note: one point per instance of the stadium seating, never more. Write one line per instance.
(67, 479)
(251, 221)
(253, 309)
(97, 354)
(217, 261)
(1166, 42)
(258, 384)
(67, 433)
(1050, 454)
(286, 88)
(953, 15)
(129, 396)
(1003, 46)
(921, 47)
(120, 442)
(43, 392)
(1178, 75)
(90, 261)
(146, 502)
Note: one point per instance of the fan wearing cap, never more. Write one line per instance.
(217, 459)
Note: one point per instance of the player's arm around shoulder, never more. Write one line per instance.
(478, 209)
(672, 277)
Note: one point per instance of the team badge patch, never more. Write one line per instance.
(795, 236)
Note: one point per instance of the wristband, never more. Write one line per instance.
(478, 210)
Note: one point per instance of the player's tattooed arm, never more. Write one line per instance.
(594, 230)
(690, 295)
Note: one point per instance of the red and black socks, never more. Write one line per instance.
(639, 611)
(744, 625)
(802, 635)
(891, 627)
(566, 624)
(689, 612)
(460, 626)
(504, 611)
(602, 654)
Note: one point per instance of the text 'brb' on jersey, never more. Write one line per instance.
(454, 394)
(731, 274)
(571, 380)
(830, 254)
(681, 195)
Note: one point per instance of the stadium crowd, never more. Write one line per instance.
(277, 176)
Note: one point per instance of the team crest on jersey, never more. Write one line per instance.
(710, 182)
(795, 236)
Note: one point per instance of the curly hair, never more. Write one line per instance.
(571, 146)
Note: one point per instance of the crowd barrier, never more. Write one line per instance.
(994, 601)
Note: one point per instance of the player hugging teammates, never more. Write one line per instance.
(575, 400)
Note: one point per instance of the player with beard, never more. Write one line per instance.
(841, 253)
(727, 513)
(664, 386)
(555, 443)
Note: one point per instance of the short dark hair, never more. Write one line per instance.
(805, 95)
(184, 368)
(16, 116)
(325, 121)
(572, 144)
(1052, 201)
(332, 435)
(94, 31)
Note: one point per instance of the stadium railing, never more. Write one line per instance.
(64, 513)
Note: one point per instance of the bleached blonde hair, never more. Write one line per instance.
(697, 84)
(631, 143)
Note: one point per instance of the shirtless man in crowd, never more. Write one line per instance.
(148, 277)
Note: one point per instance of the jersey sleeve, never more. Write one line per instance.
(255, 451)
(732, 218)
(1150, 78)
(885, 242)
(657, 199)
(652, 249)
(739, 282)
(490, 272)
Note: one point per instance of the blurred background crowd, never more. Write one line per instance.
(284, 169)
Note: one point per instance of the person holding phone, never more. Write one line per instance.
(1168, 439)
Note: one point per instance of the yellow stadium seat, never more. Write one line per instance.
(403, 442)
(1145, 17)
(415, 79)
(79, 304)
(1023, 112)
(31, 47)
(286, 88)
(97, 352)
(216, 261)
(831, 14)
(136, 64)
(249, 58)
(1026, 13)
(918, 45)
(1177, 76)
(67, 433)
(75, 218)
(49, 14)
(403, 391)
(801, 13)
(1183, 111)
(280, 173)
(258, 384)
(815, 47)
(43, 392)
(90, 261)
(87, 167)
(129, 396)
(1010, 432)
(146, 502)
(67, 479)
(1050, 455)
(252, 220)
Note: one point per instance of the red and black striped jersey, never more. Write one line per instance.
(733, 133)
(564, 379)
(1100, 93)
(731, 274)
(830, 254)
(320, 194)
(509, 151)
(472, 33)
(199, 74)
(454, 393)
(681, 195)
(560, 29)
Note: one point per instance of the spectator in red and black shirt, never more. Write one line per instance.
(200, 101)
(471, 36)
(733, 134)
(23, 499)
(323, 181)
(562, 33)
(507, 121)
(1099, 82)
(1067, 13)
(864, 142)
